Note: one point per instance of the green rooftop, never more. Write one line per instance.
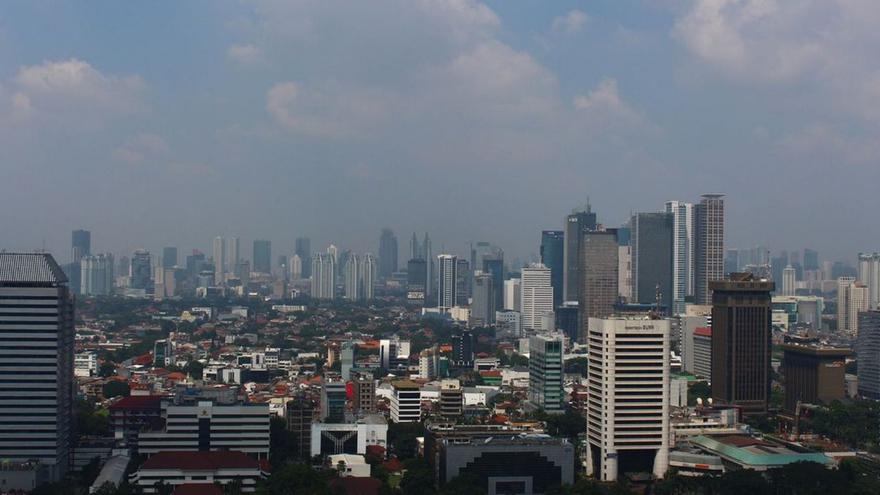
(757, 454)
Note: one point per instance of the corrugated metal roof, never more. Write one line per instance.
(30, 267)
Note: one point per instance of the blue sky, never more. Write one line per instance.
(167, 123)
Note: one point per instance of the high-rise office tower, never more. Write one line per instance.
(387, 253)
(169, 257)
(513, 294)
(352, 278)
(576, 224)
(463, 350)
(81, 245)
(333, 251)
(415, 249)
(789, 280)
(36, 353)
(333, 398)
(741, 342)
(219, 252)
(463, 286)
(628, 414)
(430, 278)
(96, 275)
(296, 267)
(303, 249)
(600, 277)
(546, 373)
(708, 245)
(416, 280)
(233, 253)
(262, 256)
(813, 374)
(811, 259)
(493, 264)
(483, 304)
(869, 274)
(447, 281)
(652, 257)
(323, 277)
(868, 353)
(141, 276)
(852, 298)
(682, 252)
(368, 276)
(553, 257)
(537, 295)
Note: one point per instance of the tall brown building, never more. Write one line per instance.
(599, 281)
(741, 342)
(813, 374)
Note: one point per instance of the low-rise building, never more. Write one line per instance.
(199, 468)
(406, 401)
(349, 438)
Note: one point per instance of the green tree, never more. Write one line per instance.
(116, 388)
(107, 368)
(296, 479)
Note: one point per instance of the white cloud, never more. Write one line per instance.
(570, 23)
(74, 83)
(244, 54)
(605, 100)
(144, 146)
(329, 111)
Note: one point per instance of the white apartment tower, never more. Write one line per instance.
(628, 405)
(323, 277)
(682, 252)
(512, 294)
(368, 269)
(447, 270)
(219, 254)
(537, 295)
(852, 297)
(789, 280)
(353, 278)
(869, 274)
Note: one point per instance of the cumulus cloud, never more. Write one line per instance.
(570, 23)
(244, 54)
(330, 111)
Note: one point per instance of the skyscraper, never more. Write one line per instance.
(483, 304)
(81, 245)
(682, 252)
(600, 277)
(868, 352)
(415, 249)
(219, 252)
(96, 275)
(493, 264)
(368, 276)
(708, 245)
(537, 295)
(416, 280)
(811, 259)
(869, 274)
(447, 281)
(36, 352)
(789, 278)
(141, 276)
(387, 253)
(262, 256)
(296, 267)
(629, 412)
(852, 298)
(303, 249)
(352, 278)
(430, 277)
(546, 373)
(741, 342)
(576, 224)
(652, 257)
(233, 253)
(553, 257)
(169, 257)
(323, 277)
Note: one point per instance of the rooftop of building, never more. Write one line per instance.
(512, 440)
(30, 268)
(751, 451)
(405, 384)
(138, 402)
(818, 350)
(200, 461)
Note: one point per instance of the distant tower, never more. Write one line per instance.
(430, 275)
(652, 257)
(553, 257)
(353, 278)
(447, 267)
(576, 225)
(708, 245)
(682, 252)
(387, 253)
(141, 271)
(323, 277)
(233, 254)
(262, 256)
(789, 278)
(304, 251)
(296, 267)
(415, 249)
(219, 249)
(483, 304)
(169, 257)
(81, 245)
(599, 285)
(368, 276)
(537, 295)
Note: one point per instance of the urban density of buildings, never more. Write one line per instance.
(666, 348)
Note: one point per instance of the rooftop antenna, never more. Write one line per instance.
(658, 297)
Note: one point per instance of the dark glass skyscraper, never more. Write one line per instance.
(303, 249)
(387, 253)
(553, 257)
(811, 259)
(741, 342)
(262, 256)
(576, 225)
(493, 264)
(81, 246)
(599, 287)
(652, 236)
(169, 257)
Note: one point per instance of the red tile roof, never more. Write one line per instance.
(201, 461)
(138, 402)
(197, 489)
